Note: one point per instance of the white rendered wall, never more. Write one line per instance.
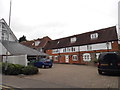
(98, 46)
(101, 46)
(6, 32)
(83, 48)
(20, 59)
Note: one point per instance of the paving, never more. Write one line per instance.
(64, 76)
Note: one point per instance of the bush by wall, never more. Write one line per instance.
(15, 69)
(29, 70)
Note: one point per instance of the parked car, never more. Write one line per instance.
(44, 63)
(109, 62)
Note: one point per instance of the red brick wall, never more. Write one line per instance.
(80, 57)
(115, 45)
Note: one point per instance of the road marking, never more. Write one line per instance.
(5, 87)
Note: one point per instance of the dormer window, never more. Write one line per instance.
(73, 39)
(32, 44)
(37, 43)
(94, 36)
(58, 42)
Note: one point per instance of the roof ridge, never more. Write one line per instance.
(83, 33)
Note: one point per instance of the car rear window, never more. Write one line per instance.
(110, 56)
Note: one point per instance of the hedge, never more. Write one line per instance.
(16, 69)
(29, 70)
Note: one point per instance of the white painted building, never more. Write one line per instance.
(13, 52)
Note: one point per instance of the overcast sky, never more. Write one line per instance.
(58, 18)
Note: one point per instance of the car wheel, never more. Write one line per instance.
(40, 67)
(50, 66)
(100, 72)
(44, 66)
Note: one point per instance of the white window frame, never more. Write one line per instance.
(97, 55)
(67, 58)
(64, 50)
(75, 57)
(86, 57)
(55, 58)
(50, 57)
(37, 43)
(75, 49)
(73, 39)
(94, 36)
(4, 36)
(69, 49)
(54, 51)
(89, 47)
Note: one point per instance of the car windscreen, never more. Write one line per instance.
(42, 59)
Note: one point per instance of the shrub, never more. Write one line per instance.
(30, 70)
(95, 60)
(15, 69)
(12, 69)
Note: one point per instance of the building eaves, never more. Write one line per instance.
(105, 35)
(18, 49)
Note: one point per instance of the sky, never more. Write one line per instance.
(58, 18)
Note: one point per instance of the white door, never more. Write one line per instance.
(67, 58)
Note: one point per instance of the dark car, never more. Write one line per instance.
(43, 63)
(109, 62)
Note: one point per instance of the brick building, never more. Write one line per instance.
(83, 48)
(37, 44)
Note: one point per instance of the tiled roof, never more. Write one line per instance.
(42, 43)
(104, 35)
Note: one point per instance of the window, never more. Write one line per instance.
(97, 55)
(69, 49)
(108, 45)
(64, 49)
(55, 51)
(50, 57)
(83, 48)
(89, 47)
(55, 58)
(74, 57)
(75, 49)
(86, 57)
(94, 36)
(61, 50)
(73, 40)
(67, 58)
(4, 36)
(32, 44)
(37, 43)
(58, 42)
